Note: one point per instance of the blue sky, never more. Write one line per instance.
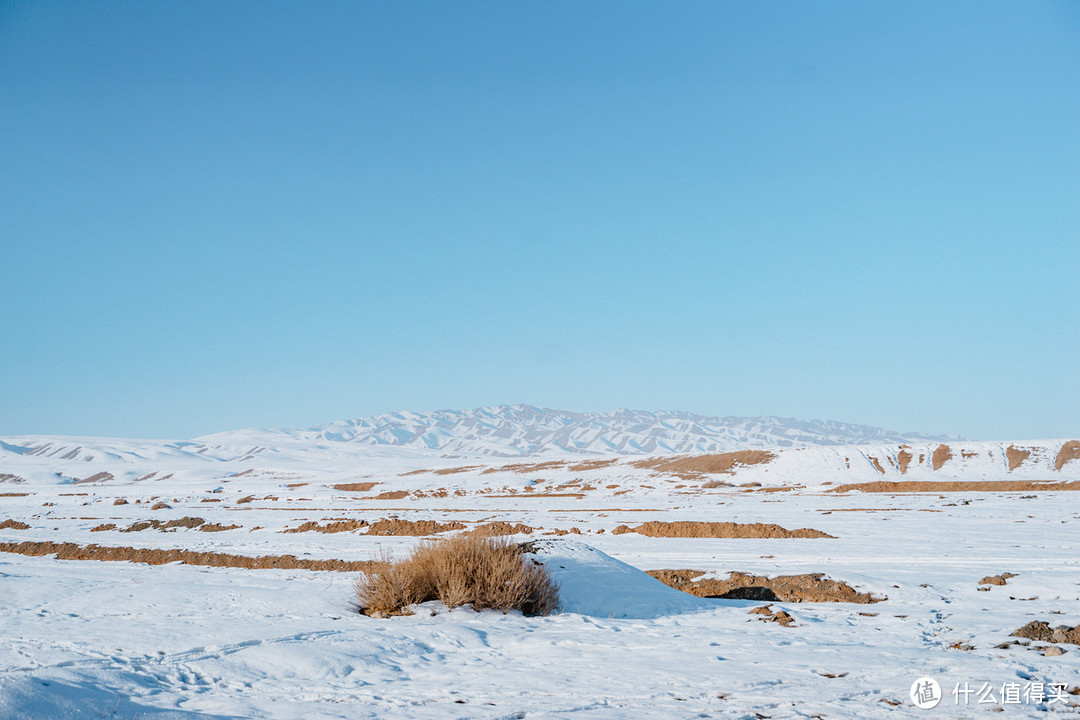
(217, 215)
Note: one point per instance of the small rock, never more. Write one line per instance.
(1052, 651)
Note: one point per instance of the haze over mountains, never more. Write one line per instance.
(525, 430)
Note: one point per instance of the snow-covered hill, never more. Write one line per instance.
(524, 430)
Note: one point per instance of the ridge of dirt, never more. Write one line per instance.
(355, 487)
(10, 524)
(997, 579)
(942, 454)
(917, 486)
(1069, 451)
(687, 529)
(499, 528)
(72, 551)
(808, 587)
(694, 466)
(1042, 632)
(1016, 456)
(395, 526)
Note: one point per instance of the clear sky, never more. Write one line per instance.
(215, 215)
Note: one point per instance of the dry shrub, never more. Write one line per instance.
(482, 571)
(13, 525)
(687, 529)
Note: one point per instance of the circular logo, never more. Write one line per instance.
(925, 693)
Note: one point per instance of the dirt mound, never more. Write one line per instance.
(331, 526)
(717, 530)
(13, 525)
(184, 522)
(1042, 632)
(694, 466)
(355, 487)
(95, 478)
(769, 615)
(1069, 451)
(1016, 456)
(931, 486)
(71, 551)
(217, 527)
(395, 526)
(942, 454)
(392, 495)
(810, 587)
(498, 528)
(997, 579)
(103, 527)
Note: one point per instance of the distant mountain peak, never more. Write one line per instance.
(525, 430)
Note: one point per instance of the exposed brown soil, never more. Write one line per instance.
(395, 526)
(903, 458)
(1069, 451)
(103, 527)
(810, 587)
(71, 551)
(876, 463)
(456, 470)
(684, 529)
(217, 527)
(691, 466)
(497, 528)
(184, 522)
(587, 465)
(1042, 632)
(527, 467)
(161, 506)
(579, 496)
(119, 501)
(333, 526)
(14, 494)
(13, 525)
(942, 454)
(392, 495)
(928, 486)
(1016, 456)
(769, 615)
(246, 499)
(559, 532)
(354, 487)
(997, 579)
(9, 478)
(97, 477)
(712, 484)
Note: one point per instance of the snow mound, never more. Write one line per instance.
(28, 698)
(594, 583)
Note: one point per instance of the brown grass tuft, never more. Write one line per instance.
(942, 454)
(481, 571)
(810, 587)
(1016, 456)
(13, 525)
(1069, 451)
(685, 529)
(355, 487)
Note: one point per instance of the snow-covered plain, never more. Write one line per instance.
(92, 639)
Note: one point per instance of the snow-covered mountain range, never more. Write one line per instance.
(524, 430)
